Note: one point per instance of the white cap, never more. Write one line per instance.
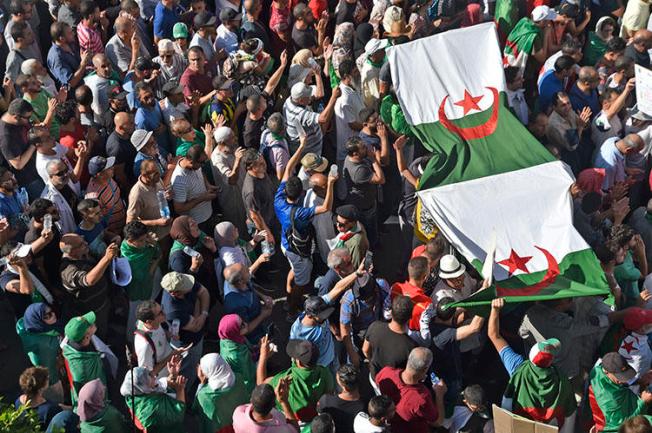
(222, 134)
(300, 90)
(543, 13)
(375, 45)
(140, 137)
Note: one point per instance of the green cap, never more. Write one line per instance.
(77, 326)
(180, 30)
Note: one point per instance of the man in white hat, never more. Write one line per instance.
(301, 120)
(370, 64)
(455, 282)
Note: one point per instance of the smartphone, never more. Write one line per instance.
(368, 260)
(434, 378)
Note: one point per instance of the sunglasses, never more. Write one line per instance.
(61, 173)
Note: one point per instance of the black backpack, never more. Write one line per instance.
(299, 244)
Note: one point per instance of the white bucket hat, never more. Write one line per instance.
(450, 267)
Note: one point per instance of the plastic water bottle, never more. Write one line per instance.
(191, 252)
(23, 198)
(267, 248)
(163, 207)
(47, 223)
(333, 171)
(174, 330)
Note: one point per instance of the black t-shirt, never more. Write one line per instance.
(182, 310)
(446, 348)
(385, 73)
(304, 38)
(345, 13)
(13, 143)
(72, 199)
(252, 131)
(51, 254)
(641, 59)
(342, 411)
(388, 348)
(19, 302)
(124, 153)
(258, 195)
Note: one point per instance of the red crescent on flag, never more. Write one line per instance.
(472, 132)
(548, 279)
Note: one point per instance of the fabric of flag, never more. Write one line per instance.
(506, 17)
(520, 43)
(488, 173)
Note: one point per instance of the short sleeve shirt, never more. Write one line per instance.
(182, 310)
(258, 196)
(360, 191)
(302, 215)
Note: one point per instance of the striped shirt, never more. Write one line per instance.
(187, 185)
(90, 39)
(112, 206)
(300, 118)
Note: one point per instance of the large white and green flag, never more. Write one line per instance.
(488, 173)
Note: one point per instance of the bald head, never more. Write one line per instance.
(237, 275)
(124, 27)
(102, 65)
(124, 124)
(318, 180)
(630, 144)
(70, 242)
(588, 74)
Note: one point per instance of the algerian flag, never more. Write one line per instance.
(488, 173)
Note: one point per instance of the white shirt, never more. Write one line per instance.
(145, 352)
(362, 424)
(205, 44)
(226, 39)
(60, 153)
(636, 350)
(67, 220)
(347, 110)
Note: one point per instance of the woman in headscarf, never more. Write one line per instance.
(95, 413)
(156, 411)
(218, 394)
(232, 249)
(40, 331)
(235, 350)
(596, 45)
(186, 233)
(342, 50)
(590, 180)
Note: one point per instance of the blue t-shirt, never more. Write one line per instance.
(360, 313)
(182, 310)
(164, 21)
(302, 216)
(320, 335)
(10, 207)
(579, 100)
(549, 85)
(510, 359)
(246, 305)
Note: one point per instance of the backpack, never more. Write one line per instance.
(299, 244)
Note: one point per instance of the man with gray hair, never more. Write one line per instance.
(241, 297)
(172, 63)
(36, 68)
(611, 157)
(274, 146)
(124, 47)
(301, 120)
(415, 409)
(59, 192)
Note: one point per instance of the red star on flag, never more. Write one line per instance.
(628, 346)
(469, 102)
(515, 262)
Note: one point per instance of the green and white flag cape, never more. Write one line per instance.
(488, 173)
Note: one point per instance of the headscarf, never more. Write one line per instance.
(363, 34)
(599, 31)
(229, 329)
(302, 57)
(91, 400)
(225, 234)
(472, 15)
(140, 382)
(218, 372)
(392, 14)
(343, 36)
(180, 231)
(590, 179)
(34, 322)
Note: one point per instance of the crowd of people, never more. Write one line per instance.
(227, 190)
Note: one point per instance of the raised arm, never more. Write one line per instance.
(292, 163)
(493, 330)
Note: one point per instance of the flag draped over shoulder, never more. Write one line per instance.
(520, 43)
(488, 173)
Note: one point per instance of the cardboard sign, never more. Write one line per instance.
(507, 422)
(643, 89)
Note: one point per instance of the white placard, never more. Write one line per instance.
(643, 89)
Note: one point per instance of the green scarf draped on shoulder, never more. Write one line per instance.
(214, 408)
(42, 349)
(540, 394)
(82, 366)
(140, 261)
(238, 356)
(176, 245)
(159, 413)
(522, 37)
(107, 421)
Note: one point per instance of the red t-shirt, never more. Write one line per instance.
(415, 409)
(419, 298)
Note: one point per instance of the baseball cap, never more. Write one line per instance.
(177, 282)
(541, 13)
(313, 162)
(222, 83)
(636, 318)
(180, 31)
(204, 19)
(140, 137)
(172, 88)
(300, 90)
(116, 92)
(375, 45)
(77, 326)
(348, 211)
(228, 14)
(302, 350)
(615, 364)
(316, 306)
(100, 163)
(222, 134)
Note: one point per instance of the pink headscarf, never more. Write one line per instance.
(229, 329)
(472, 15)
(91, 400)
(590, 180)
